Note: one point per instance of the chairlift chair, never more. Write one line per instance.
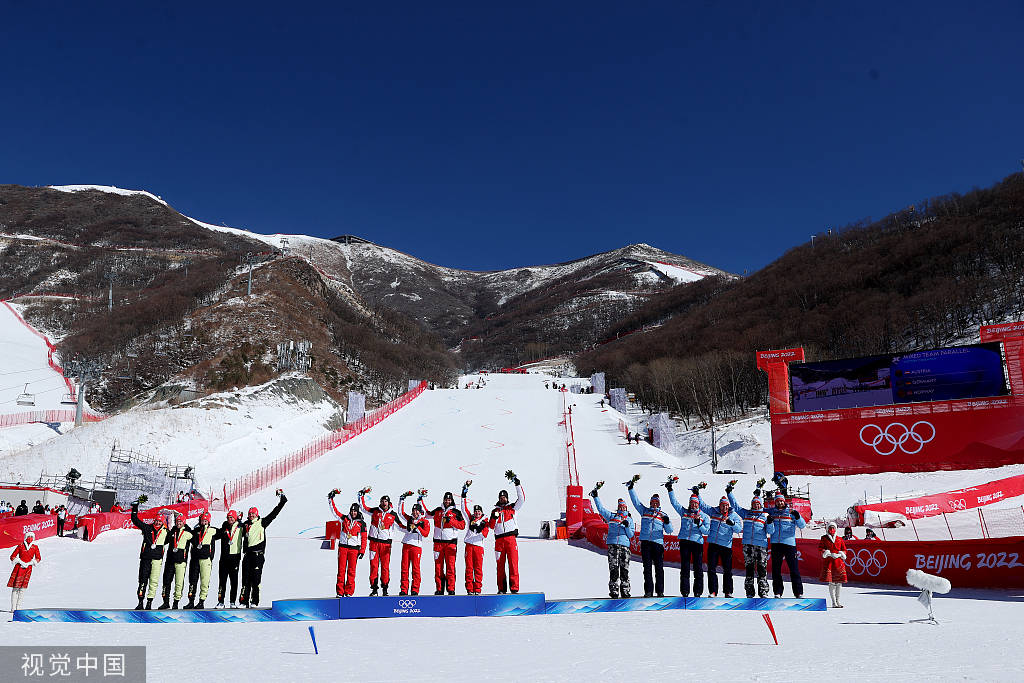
(25, 398)
(127, 374)
(69, 399)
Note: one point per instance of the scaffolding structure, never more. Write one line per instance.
(133, 474)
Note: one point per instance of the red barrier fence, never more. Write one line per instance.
(974, 563)
(257, 480)
(13, 529)
(951, 501)
(96, 524)
(15, 419)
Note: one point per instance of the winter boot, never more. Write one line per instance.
(373, 589)
(438, 592)
(384, 589)
(402, 593)
(139, 606)
(220, 605)
(190, 604)
(234, 606)
(175, 605)
(415, 593)
(149, 603)
(163, 605)
(451, 592)
(201, 605)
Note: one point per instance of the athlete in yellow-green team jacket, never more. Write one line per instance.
(254, 547)
(201, 562)
(151, 556)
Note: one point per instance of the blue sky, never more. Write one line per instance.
(480, 136)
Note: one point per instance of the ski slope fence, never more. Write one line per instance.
(257, 480)
(967, 563)
(950, 501)
(97, 523)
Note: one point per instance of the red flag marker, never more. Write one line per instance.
(768, 620)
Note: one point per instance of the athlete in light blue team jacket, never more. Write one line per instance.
(692, 527)
(782, 528)
(724, 524)
(755, 540)
(620, 531)
(654, 524)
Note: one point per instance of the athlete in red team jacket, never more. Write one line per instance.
(417, 527)
(351, 546)
(506, 548)
(478, 528)
(382, 523)
(448, 521)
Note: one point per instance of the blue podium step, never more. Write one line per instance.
(329, 609)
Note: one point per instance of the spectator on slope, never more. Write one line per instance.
(848, 535)
(230, 537)
(620, 530)
(382, 522)
(177, 560)
(38, 509)
(869, 535)
(724, 524)
(755, 540)
(151, 556)
(833, 562)
(199, 570)
(654, 524)
(448, 521)
(693, 525)
(506, 547)
(782, 529)
(254, 547)
(416, 527)
(351, 545)
(24, 556)
(62, 516)
(477, 528)
(22, 509)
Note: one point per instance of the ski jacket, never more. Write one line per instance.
(180, 541)
(692, 525)
(448, 522)
(353, 533)
(618, 533)
(720, 533)
(202, 542)
(654, 523)
(503, 517)
(476, 530)
(153, 541)
(254, 537)
(415, 532)
(782, 527)
(230, 537)
(381, 523)
(754, 523)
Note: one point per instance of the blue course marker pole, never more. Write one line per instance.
(313, 637)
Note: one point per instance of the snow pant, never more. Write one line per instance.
(380, 561)
(16, 595)
(347, 558)
(168, 582)
(653, 556)
(474, 568)
(444, 566)
(691, 553)
(252, 576)
(179, 578)
(60, 526)
(755, 559)
(411, 561)
(782, 551)
(506, 551)
(149, 574)
(719, 553)
(199, 572)
(228, 570)
(618, 571)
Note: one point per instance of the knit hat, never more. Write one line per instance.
(724, 500)
(694, 502)
(780, 498)
(656, 501)
(756, 503)
(622, 505)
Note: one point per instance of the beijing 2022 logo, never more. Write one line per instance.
(897, 436)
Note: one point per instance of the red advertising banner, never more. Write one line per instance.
(917, 437)
(13, 529)
(973, 563)
(951, 501)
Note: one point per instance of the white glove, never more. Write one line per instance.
(826, 554)
(841, 554)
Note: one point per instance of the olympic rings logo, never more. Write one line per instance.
(406, 604)
(958, 504)
(867, 561)
(886, 441)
